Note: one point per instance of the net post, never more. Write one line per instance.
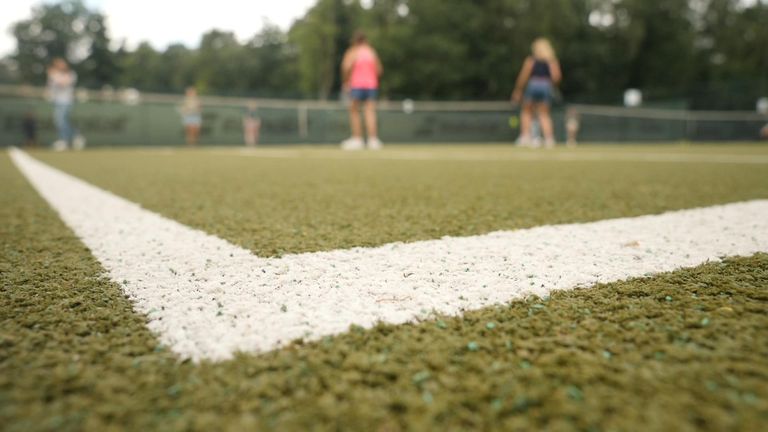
(303, 118)
(688, 127)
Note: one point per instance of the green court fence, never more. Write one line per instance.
(128, 118)
(617, 124)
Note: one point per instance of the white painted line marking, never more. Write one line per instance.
(206, 298)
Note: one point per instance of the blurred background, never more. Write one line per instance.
(699, 66)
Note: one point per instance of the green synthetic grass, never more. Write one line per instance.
(680, 351)
(331, 199)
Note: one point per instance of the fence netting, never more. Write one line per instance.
(129, 118)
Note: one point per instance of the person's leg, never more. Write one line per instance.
(68, 129)
(188, 134)
(545, 120)
(60, 120)
(192, 132)
(248, 132)
(371, 125)
(195, 134)
(525, 123)
(374, 143)
(572, 129)
(77, 140)
(355, 142)
(354, 119)
(370, 119)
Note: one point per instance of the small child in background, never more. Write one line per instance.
(192, 116)
(251, 124)
(571, 126)
(29, 128)
(61, 91)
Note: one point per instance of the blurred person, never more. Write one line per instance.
(360, 70)
(61, 91)
(535, 89)
(535, 134)
(764, 132)
(572, 125)
(29, 129)
(251, 124)
(192, 116)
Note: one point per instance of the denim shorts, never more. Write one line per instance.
(360, 94)
(539, 90)
(192, 120)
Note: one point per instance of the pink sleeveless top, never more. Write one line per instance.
(364, 74)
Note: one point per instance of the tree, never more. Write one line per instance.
(272, 64)
(8, 71)
(711, 52)
(732, 59)
(101, 66)
(220, 64)
(321, 38)
(69, 30)
(176, 68)
(142, 68)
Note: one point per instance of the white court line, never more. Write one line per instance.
(206, 298)
(517, 156)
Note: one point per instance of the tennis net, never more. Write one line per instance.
(132, 118)
(618, 124)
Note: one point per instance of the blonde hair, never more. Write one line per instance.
(543, 50)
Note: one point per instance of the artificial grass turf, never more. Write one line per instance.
(679, 351)
(274, 206)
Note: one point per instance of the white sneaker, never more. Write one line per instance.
(353, 144)
(78, 143)
(375, 144)
(59, 145)
(523, 141)
(549, 144)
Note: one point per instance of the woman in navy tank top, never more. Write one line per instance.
(534, 88)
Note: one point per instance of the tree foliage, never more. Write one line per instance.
(70, 30)
(435, 49)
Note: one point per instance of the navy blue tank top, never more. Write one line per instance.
(541, 70)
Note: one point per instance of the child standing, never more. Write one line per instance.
(572, 125)
(251, 124)
(360, 70)
(534, 88)
(192, 116)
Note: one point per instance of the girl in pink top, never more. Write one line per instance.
(360, 71)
